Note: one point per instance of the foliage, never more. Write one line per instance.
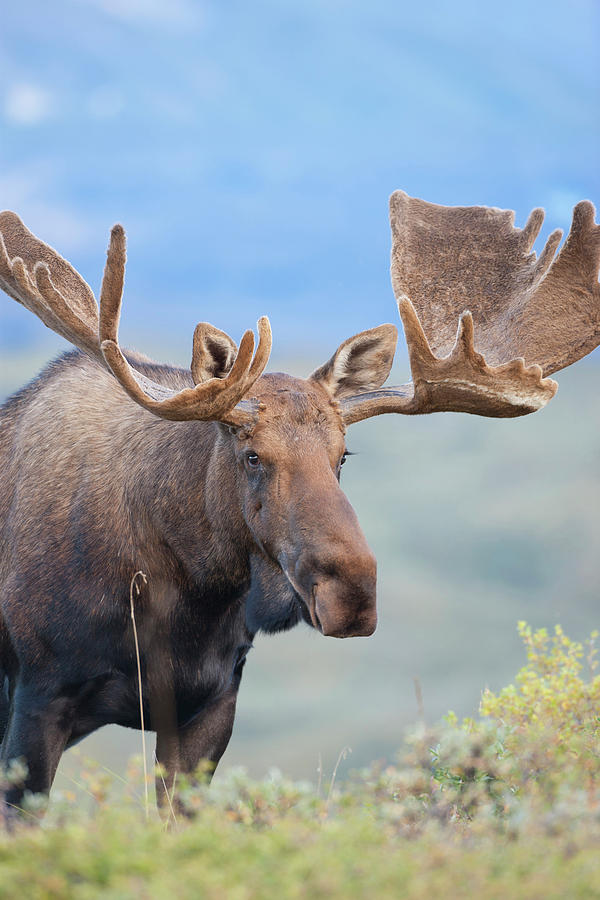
(505, 805)
(550, 695)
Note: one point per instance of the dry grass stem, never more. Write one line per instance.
(133, 585)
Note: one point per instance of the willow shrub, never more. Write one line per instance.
(531, 760)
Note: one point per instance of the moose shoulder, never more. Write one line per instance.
(209, 498)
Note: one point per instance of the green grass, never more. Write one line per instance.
(506, 805)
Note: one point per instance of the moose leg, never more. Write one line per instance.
(203, 740)
(37, 732)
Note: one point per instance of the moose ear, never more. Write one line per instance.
(213, 353)
(362, 363)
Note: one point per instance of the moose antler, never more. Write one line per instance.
(532, 316)
(38, 277)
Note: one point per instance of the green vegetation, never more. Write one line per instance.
(506, 805)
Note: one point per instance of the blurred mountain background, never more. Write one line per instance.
(249, 150)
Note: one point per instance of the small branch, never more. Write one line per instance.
(166, 789)
(419, 696)
(343, 755)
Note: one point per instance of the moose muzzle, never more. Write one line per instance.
(340, 592)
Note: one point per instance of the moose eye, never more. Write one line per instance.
(253, 460)
(345, 456)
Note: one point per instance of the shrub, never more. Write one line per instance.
(504, 805)
(531, 758)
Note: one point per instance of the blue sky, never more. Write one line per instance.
(249, 148)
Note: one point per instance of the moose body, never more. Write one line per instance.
(192, 509)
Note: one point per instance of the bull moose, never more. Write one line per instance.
(221, 484)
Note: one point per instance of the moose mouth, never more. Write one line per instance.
(312, 608)
(309, 604)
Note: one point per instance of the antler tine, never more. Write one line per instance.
(263, 351)
(535, 316)
(571, 290)
(113, 280)
(532, 228)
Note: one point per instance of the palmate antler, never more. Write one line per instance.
(529, 317)
(38, 277)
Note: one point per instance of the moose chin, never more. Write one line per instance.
(207, 501)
